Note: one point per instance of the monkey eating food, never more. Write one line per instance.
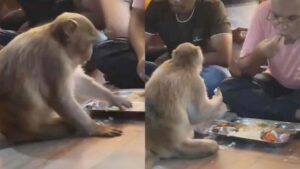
(176, 99)
(39, 81)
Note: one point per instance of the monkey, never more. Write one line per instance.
(176, 99)
(38, 77)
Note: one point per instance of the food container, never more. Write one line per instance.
(268, 131)
(102, 109)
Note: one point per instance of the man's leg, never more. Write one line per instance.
(6, 36)
(286, 106)
(118, 62)
(150, 68)
(260, 97)
(213, 76)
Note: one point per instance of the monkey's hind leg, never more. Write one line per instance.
(197, 148)
(58, 128)
(151, 159)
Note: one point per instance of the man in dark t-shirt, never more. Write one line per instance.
(201, 22)
(36, 12)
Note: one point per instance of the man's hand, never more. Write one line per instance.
(269, 47)
(239, 35)
(141, 69)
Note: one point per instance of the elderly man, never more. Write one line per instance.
(203, 23)
(272, 42)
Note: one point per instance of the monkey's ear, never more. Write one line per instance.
(69, 27)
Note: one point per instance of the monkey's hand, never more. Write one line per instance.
(222, 107)
(106, 131)
(119, 102)
(218, 95)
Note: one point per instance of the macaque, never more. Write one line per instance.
(176, 99)
(39, 76)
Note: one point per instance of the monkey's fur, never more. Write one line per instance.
(176, 98)
(38, 81)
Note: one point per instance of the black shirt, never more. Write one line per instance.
(41, 11)
(209, 18)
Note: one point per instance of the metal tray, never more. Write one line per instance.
(268, 131)
(102, 109)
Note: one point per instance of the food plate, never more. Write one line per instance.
(274, 132)
(136, 96)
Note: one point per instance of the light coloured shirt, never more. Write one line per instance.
(285, 65)
(140, 4)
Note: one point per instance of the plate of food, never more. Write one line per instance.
(136, 96)
(268, 131)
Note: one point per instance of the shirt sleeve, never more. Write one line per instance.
(220, 22)
(255, 32)
(152, 18)
(140, 4)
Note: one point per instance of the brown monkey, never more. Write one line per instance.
(176, 99)
(37, 73)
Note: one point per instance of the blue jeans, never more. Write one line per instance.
(260, 97)
(213, 76)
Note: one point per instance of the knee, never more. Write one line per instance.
(228, 85)
(6, 36)
(149, 68)
(231, 87)
(213, 76)
(235, 84)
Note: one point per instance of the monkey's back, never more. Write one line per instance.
(167, 101)
(23, 90)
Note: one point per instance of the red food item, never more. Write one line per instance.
(270, 136)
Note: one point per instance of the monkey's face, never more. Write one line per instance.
(83, 46)
(78, 36)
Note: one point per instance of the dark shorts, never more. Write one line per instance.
(261, 97)
(6, 36)
(117, 60)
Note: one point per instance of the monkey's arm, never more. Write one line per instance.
(64, 103)
(66, 106)
(86, 86)
(204, 108)
(57, 74)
